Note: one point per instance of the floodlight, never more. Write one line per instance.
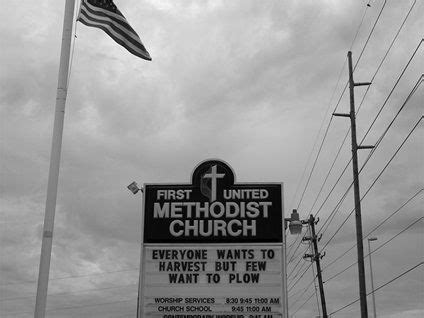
(133, 187)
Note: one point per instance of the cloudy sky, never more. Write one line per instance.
(251, 82)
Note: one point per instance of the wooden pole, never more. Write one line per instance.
(317, 258)
(358, 217)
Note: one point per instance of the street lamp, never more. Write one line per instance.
(295, 227)
(372, 281)
(134, 188)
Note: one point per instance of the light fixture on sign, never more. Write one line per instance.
(133, 187)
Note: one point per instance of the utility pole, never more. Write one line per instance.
(316, 257)
(357, 197)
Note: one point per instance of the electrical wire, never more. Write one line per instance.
(303, 274)
(361, 103)
(375, 250)
(375, 228)
(370, 34)
(415, 88)
(294, 256)
(298, 291)
(299, 260)
(309, 247)
(316, 292)
(299, 270)
(338, 102)
(72, 276)
(297, 247)
(303, 292)
(329, 104)
(381, 108)
(378, 68)
(306, 301)
(386, 54)
(375, 180)
(72, 292)
(380, 287)
(391, 91)
(73, 307)
(332, 214)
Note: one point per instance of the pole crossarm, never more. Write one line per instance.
(362, 84)
(341, 115)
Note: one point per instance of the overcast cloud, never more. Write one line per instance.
(247, 81)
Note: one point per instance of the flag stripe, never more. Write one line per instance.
(117, 38)
(117, 18)
(115, 25)
(100, 11)
(118, 28)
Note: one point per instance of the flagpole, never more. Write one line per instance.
(62, 87)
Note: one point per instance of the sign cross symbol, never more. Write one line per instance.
(214, 175)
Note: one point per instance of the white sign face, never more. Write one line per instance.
(213, 281)
(212, 248)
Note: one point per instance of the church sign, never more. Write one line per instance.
(212, 248)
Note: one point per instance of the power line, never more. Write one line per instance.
(302, 267)
(303, 304)
(375, 180)
(338, 102)
(380, 287)
(378, 68)
(303, 292)
(71, 292)
(357, 30)
(297, 247)
(332, 214)
(387, 52)
(329, 104)
(315, 288)
(307, 286)
(300, 259)
(362, 101)
(381, 108)
(296, 265)
(72, 276)
(375, 228)
(294, 256)
(303, 274)
(375, 250)
(74, 307)
(394, 87)
(370, 34)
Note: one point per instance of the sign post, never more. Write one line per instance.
(213, 248)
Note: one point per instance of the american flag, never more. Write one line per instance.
(104, 14)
